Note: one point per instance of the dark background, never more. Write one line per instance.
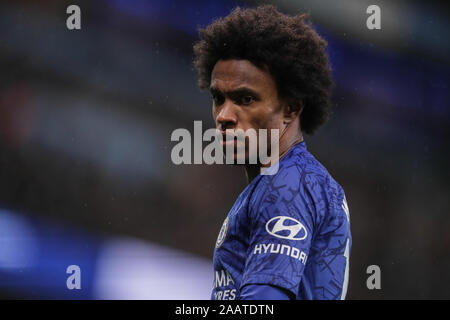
(86, 118)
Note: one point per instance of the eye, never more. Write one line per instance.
(247, 100)
(218, 99)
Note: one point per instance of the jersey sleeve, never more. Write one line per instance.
(282, 224)
(264, 292)
(332, 245)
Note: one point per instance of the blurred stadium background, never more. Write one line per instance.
(85, 170)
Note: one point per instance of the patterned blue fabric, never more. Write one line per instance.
(263, 292)
(290, 230)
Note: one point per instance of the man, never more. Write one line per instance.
(288, 234)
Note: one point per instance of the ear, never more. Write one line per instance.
(292, 110)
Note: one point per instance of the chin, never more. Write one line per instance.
(239, 156)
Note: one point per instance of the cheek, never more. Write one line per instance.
(275, 122)
(215, 112)
(268, 118)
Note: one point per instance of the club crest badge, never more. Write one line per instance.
(222, 233)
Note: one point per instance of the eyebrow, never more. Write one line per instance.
(236, 92)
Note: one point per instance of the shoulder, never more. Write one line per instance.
(303, 185)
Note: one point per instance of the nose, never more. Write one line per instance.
(226, 119)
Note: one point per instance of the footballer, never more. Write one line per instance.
(288, 234)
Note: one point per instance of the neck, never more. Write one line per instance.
(252, 171)
(286, 142)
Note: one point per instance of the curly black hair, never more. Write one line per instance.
(287, 45)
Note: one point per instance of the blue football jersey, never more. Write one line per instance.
(290, 230)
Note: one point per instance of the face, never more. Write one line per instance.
(244, 97)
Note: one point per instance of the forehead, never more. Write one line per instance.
(231, 74)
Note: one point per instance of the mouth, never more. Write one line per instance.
(228, 139)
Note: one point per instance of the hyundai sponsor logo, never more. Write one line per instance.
(286, 228)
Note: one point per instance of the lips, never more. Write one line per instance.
(228, 139)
